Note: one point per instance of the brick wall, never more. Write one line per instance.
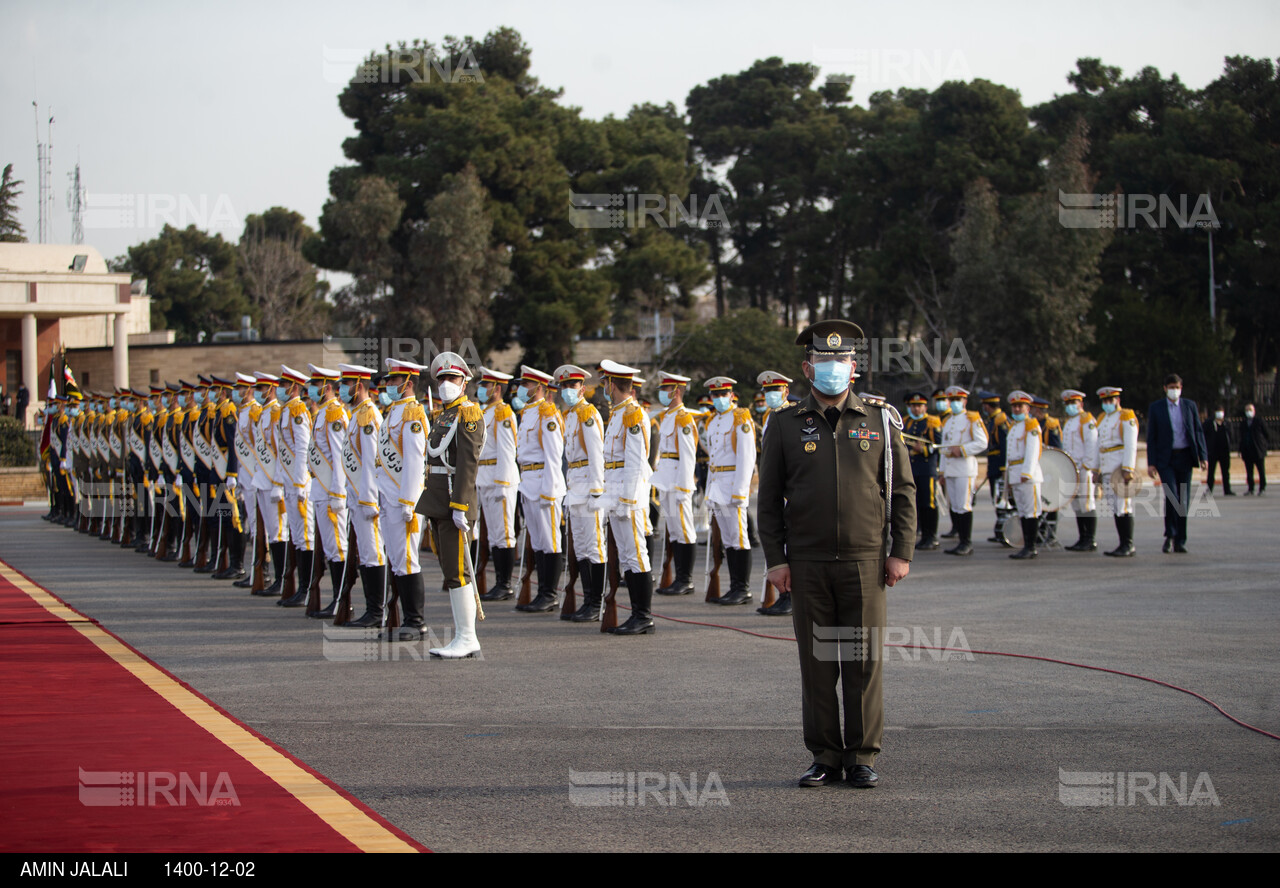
(16, 484)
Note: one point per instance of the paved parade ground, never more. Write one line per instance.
(562, 738)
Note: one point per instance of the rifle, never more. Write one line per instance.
(342, 611)
(482, 559)
(317, 570)
(667, 554)
(289, 587)
(160, 540)
(609, 620)
(390, 599)
(259, 553)
(202, 538)
(711, 572)
(184, 551)
(527, 560)
(768, 594)
(570, 597)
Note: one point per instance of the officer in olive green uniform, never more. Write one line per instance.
(829, 467)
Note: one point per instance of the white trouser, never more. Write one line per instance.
(1026, 498)
(273, 520)
(677, 515)
(959, 492)
(588, 531)
(402, 539)
(732, 521)
(331, 515)
(499, 507)
(1086, 499)
(368, 535)
(300, 513)
(629, 532)
(542, 517)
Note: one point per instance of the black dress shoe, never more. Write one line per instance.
(862, 777)
(1180, 548)
(820, 775)
(1168, 545)
(780, 608)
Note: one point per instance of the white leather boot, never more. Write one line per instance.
(463, 602)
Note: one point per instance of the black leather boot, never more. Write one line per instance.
(540, 573)
(279, 551)
(592, 576)
(1124, 529)
(504, 561)
(337, 570)
(1030, 527)
(963, 523)
(548, 579)
(372, 580)
(304, 560)
(640, 590)
(413, 600)
(739, 577)
(683, 557)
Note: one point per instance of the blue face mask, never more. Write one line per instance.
(111, 404)
(182, 401)
(482, 394)
(313, 392)
(761, 408)
(774, 400)
(237, 398)
(197, 398)
(385, 399)
(831, 377)
(260, 395)
(664, 398)
(721, 403)
(1108, 407)
(571, 397)
(957, 407)
(518, 402)
(916, 412)
(74, 411)
(282, 393)
(941, 406)
(1019, 417)
(1072, 409)
(344, 393)
(392, 392)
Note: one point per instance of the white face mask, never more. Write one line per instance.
(1218, 415)
(1173, 394)
(449, 391)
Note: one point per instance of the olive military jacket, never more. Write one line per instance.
(822, 490)
(451, 476)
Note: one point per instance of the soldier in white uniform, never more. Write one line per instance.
(267, 481)
(359, 463)
(243, 488)
(1022, 463)
(328, 481)
(1116, 447)
(1079, 440)
(539, 452)
(626, 484)
(402, 453)
(293, 441)
(730, 440)
(498, 481)
(674, 479)
(963, 437)
(584, 483)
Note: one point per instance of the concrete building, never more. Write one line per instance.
(55, 296)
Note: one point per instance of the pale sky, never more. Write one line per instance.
(206, 112)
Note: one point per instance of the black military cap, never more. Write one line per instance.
(834, 337)
(987, 397)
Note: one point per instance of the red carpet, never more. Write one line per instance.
(106, 752)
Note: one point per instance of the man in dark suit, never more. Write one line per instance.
(1175, 446)
(1253, 448)
(1221, 442)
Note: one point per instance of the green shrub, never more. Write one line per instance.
(16, 448)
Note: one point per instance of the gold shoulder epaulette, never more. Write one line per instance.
(1126, 414)
(932, 422)
(470, 411)
(502, 411)
(741, 414)
(1033, 425)
(973, 416)
(414, 411)
(334, 413)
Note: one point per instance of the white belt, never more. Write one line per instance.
(440, 470)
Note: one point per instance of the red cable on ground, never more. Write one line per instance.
(1154, 681)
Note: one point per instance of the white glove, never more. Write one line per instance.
(64, 465)
(622, 510)
(460, 520)
(369, 512)
(406, 513)
(232, 484)
(595, 503)
(277, 494)
(177, 483)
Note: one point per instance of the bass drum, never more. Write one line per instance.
(1060, 479)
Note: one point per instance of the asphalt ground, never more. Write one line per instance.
(562, 738)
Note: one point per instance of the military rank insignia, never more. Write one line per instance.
(337, 426)
(415, 427)
(810, 446)
(551, 427)
(589, 422)
(507, 423)
(297, 420)
(865, 434)
(635, 429)
(471, 426)
(368, 430)
(746, 427)
(685, 430)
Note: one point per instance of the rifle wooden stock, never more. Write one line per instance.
(393, 604)
(570, 604)
(609, 618)
(715, 556)
(770, 595)
(160, 545)
(529, 561)
(184, 553)
(482, 559)
(667, 554)
(342, 612)
(317, 571)
(289, 587)
(259, 553)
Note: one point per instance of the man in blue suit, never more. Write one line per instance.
(1175, 445)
